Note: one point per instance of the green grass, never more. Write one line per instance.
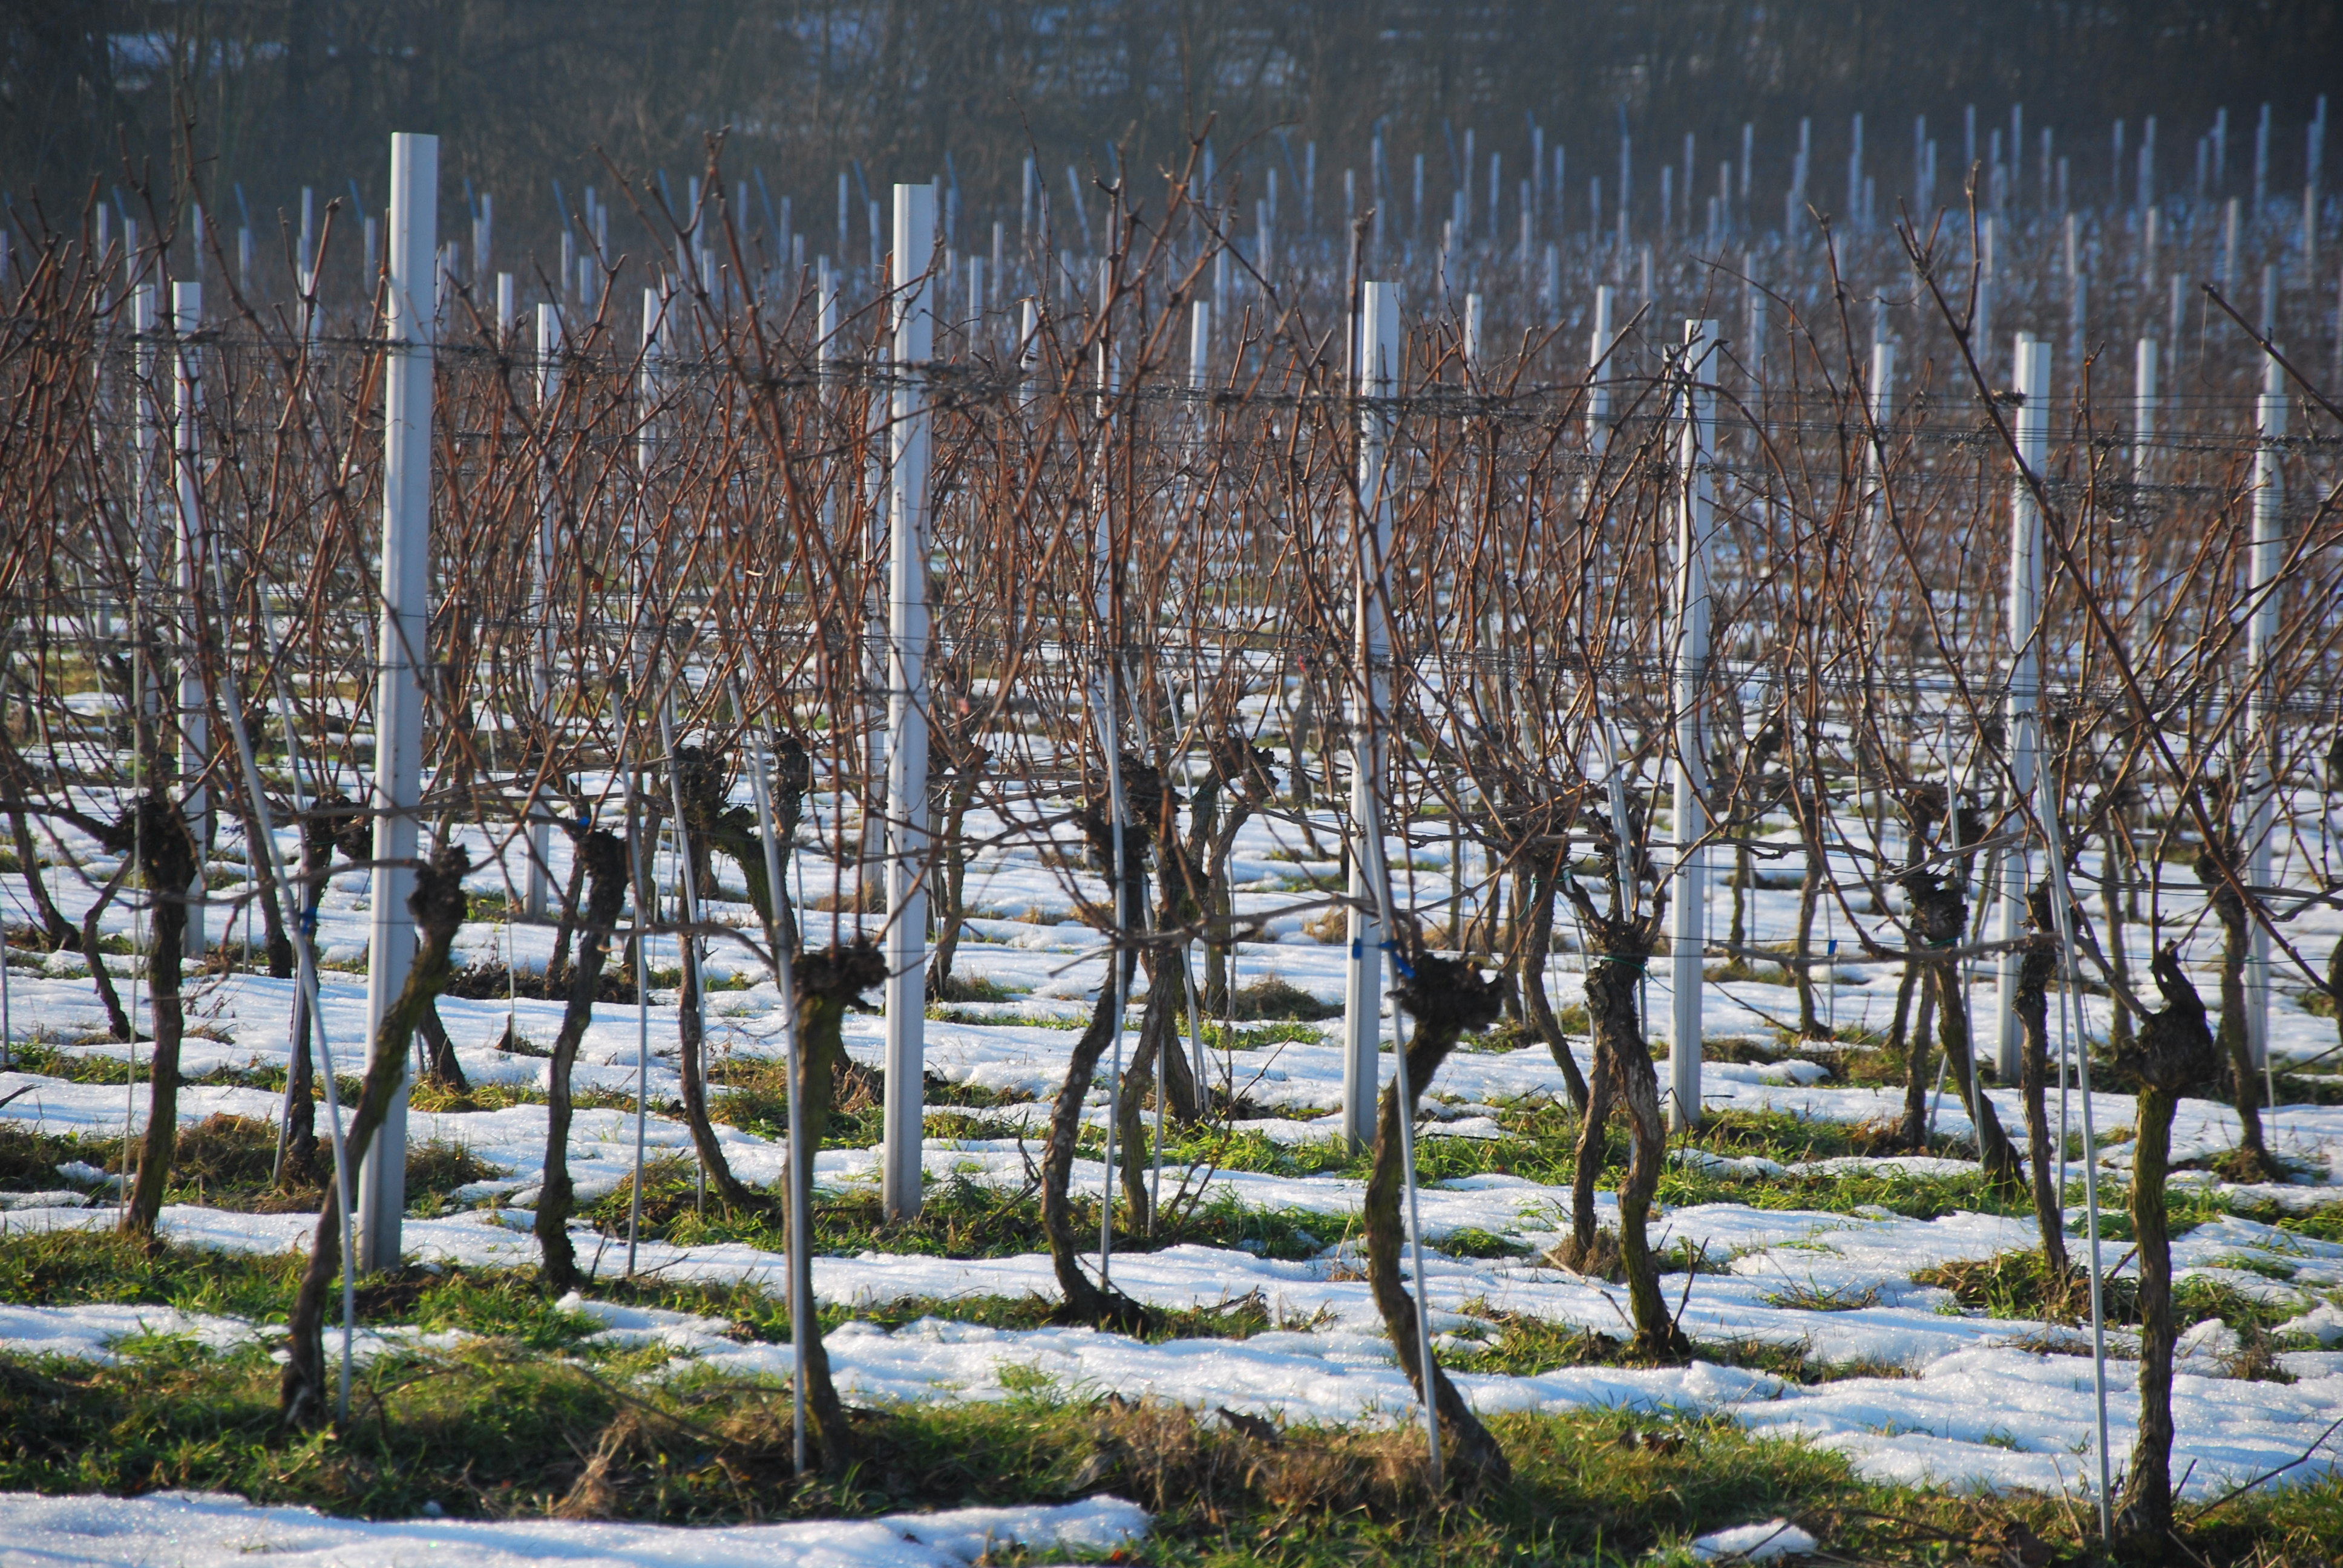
(69, 1268)
(1541, 1141)
(958, 1218)
(1292, 882)
(980, 987)
(2320, 1224)
(52, 1061)
(1525, 1346)
(498, 1429)
(961, 1014)
(431, 1094)
(2310, 1088)
(751, 1094)
(529, 1418)
(1218, 1035)
(1910, 1197)
(1273, 996)
(224, 1163)
(2019, 1284)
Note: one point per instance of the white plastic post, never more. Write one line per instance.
(1883, 415)
(2143, 439)
(1688, 895)
(2261, 634)
(647, 452)
(399, 654)
(147, 431)
(1106, 719)
(643, 857)
(1028, 347)
(1598, 394)
(549, 385)
(2033, 433)
(878, 521)
(187, 455)
(1981, 327)
(1200, 345)
(1378, 381)
(1378, 363)
(907, 704)
(829, 355)
(2229, 249)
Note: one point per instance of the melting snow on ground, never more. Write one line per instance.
(204, 1529)
(1936, 1396)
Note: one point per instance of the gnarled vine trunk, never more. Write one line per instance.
(1086, 1301)
(699, 786)
(1181, 898)
(602, 865)
(1810, 892)
(1621, 945)
(734, 831)
(166, 859)
(826, 982)
(437, 904)
(118, 1022)
(2037, 963)
(1586, 1253)
(1939, 912)
(56, 931)
(2174, 1051)
(299, 1161)
(1919, 1054)
(1445, 997)
(2252, 1160)
(950, 796)
(1536, 1005)
(440, 1052)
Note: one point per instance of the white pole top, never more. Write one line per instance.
(413, 236)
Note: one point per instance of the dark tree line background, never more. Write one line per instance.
(285, 91)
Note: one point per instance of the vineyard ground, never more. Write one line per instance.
(1872, 1364)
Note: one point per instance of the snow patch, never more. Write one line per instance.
(1753, 1542)
(208, 1529)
